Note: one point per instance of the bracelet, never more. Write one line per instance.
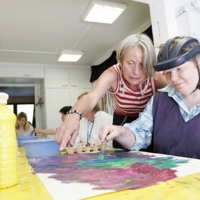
(75, 111)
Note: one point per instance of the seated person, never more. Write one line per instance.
(51, 131)
(91, 124)
(22, 126)
(170, 121)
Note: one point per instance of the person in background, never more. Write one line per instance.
(52, 131)
(170, 121)
(91, 123)
(131, 82)
(22, 126)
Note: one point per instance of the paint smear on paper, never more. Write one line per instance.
(118, 171)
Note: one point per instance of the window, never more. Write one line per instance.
(28, 109)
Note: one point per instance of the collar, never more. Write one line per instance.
(176, 96)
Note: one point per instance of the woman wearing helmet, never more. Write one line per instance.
(170, 121)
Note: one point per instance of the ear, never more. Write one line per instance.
(198, 59)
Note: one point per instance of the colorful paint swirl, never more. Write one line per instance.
(118, 171)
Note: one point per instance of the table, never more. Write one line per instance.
(185, 186)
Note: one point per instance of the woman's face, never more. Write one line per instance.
(183, 78)
(21, 121)
(132, 66)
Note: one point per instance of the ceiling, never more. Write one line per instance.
(36, 31)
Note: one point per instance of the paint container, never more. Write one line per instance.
(79, 148)
(8, 145)
(92, 147)
(100, 147)
(20, 139)
(40, 148)
(83, 148)
(95, 148)
(87, 149)
(70, 150)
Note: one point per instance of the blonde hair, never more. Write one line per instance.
(20, 116)
(96, 108)
(144, 42)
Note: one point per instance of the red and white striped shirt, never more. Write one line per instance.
(128, 102)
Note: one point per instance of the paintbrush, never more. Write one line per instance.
(102, 153)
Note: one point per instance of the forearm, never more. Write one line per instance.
(85, 104)
(46, 131)
(89, 101)
(126, 138)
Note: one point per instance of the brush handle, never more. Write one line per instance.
(104, 146)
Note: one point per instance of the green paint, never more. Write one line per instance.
(163, 163)
(101, 156)
(119, 162)
(128, 180)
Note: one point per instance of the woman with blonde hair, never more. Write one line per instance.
(22, 126)
(131, 82)
(91, 123)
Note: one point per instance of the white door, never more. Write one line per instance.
(55, 99)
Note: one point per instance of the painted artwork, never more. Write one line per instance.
(84, 175)
(186, 14)
(182, 6)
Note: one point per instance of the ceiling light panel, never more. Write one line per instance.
(70, 56)
(103, 11)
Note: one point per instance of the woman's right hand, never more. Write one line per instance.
(67, 132)
(121, 134)
(109, 132)
(34, 131)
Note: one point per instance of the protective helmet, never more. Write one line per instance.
(168, 60)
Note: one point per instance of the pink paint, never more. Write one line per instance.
(118, 171)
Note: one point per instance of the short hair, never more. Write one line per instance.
(65, 109)
(96, 108)
(144, 42)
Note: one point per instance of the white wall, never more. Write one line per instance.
(27, 81)
(40, 82)
(187, 18)
(142, 28)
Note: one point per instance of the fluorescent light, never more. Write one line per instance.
(70, 56)
(103, 11)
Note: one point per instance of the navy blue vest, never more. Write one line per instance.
(171, 134)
